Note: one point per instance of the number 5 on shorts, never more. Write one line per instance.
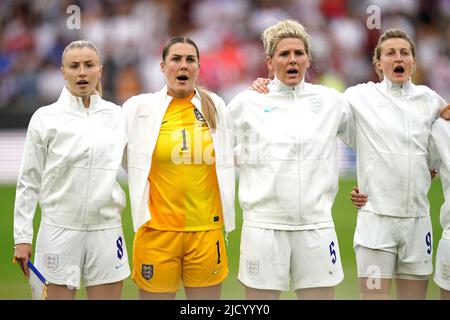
(332, 252)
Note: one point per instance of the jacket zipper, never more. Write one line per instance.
(408, 124)
(89, 170)
(299, 150)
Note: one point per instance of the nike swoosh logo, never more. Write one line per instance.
(216, 271)
(143, 115)
(268, 109)
(118, 266)
(164, 121)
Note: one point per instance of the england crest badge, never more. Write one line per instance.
(51, 262)
(316, 105)
(147, 271)
(108, 119)
(423, 107)
(252, 267)
(199, 116)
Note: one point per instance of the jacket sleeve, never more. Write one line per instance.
(125, 159)
(235, 110)
(437, 134)
(29, 183)
(128, 110)
(440, 102)
(227, 131)
(125, 149)
(347, 127)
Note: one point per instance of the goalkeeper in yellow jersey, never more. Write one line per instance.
(180, 168)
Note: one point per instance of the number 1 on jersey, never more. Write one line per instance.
(184, 148)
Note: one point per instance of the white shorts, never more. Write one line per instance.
(409, 239)
(272, 259)
(442, 273)
(65, 255)
(374, 264)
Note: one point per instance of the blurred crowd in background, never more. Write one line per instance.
(130, 35)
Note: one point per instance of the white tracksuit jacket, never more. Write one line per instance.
(440, 148)
(288, 154)
(144, 114)
(393, 125)
(70, 163)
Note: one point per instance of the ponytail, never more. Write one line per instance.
(208, 107)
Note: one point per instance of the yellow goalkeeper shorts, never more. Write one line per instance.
(164, 259)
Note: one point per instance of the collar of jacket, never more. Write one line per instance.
(279, 86)
(71, 101)
(404, 87)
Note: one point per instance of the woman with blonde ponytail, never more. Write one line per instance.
(181, 181)
(73, 152)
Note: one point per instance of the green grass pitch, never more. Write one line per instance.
(14, 286)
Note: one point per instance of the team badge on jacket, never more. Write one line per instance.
(147, 271)
(199, 116)
(423, 107)
(316, 105)
(108, 119)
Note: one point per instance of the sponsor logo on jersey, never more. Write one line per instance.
(147, 271)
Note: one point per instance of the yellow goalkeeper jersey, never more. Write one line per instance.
(184, 192)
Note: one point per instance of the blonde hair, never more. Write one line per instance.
(79, 44)
(285, 29)
(208, 106)
(390, 34)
